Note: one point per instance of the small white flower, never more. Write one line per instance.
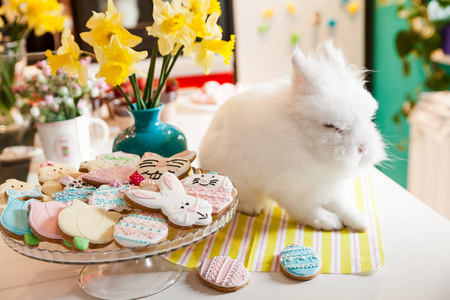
(64, 90)
(95, 92)
(34, 111)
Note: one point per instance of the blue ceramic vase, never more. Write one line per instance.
(149, 134)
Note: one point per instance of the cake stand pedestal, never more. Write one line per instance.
(129, 280)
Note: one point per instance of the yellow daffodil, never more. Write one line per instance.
(67, 57)
(104, 25)
(197, 7)
(117, 61)
(43, 15)
(203, 52)
(170, 25)
(214, 6)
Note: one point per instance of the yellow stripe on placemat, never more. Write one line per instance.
(257, 241)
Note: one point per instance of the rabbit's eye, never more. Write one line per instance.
(331, 126)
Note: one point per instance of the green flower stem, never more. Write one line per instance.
(148, 90)
(139, 102)
(166, 60)
(130, 105)
(165, 76)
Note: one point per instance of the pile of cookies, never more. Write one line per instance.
(118, 197)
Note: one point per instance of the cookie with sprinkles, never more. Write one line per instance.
(224, 274)
(299, 262)
(140, 230)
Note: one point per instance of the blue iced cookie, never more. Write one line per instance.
(73, 194)
(299, 262)
(14, 221)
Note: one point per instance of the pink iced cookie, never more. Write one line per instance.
(224, 274)
(216, 189)
(107, 175)
(43, 218)
(140, 230)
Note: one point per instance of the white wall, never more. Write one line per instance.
(262, 57)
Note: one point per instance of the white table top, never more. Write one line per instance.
(416, 242)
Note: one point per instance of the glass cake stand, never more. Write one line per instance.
(125, 273)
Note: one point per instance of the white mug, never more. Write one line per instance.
(69, 142)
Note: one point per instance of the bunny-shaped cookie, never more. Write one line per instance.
(300, 141)
(153, 165)
(182, 211)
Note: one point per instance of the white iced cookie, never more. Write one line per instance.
(139, 230)
(71, 183)
(182, 211)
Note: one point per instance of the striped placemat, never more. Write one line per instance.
(257, 241)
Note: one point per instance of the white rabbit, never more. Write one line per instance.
(300, 141)
(181, 209)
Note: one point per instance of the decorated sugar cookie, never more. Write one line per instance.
(119, 158)
(110, 198)
(75, 194)
(12, 184)
(299, 262)
(87, 226)
(153, 165)
(107, 175)
(70, 183)
(215, 189)
(183, 211)
(90, 165)
(224, 274)
(139, 230)
(14, 221)
(43, 218)
(51, 171)
(108, 160)
(25, 194)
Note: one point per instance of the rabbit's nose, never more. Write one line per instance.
(362, 148)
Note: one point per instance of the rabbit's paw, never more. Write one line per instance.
(251, 208)
(326, 220)
(356, 220)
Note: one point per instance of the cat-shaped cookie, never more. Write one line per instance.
(214, 188)
(153, 165)
(181, 210)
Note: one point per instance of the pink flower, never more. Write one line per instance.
(49, 99)
(47, 71)
(44, 88)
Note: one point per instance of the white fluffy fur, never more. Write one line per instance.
(273, 141)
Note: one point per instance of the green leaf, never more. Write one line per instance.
(406, 67)
(31, 239)
(431, 44)
(80, 243)
(438, 81)
(404, 43)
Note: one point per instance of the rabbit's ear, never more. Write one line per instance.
(301, 74)
(189, 155)
(332, 54)
(148, 155)
(170, 183)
